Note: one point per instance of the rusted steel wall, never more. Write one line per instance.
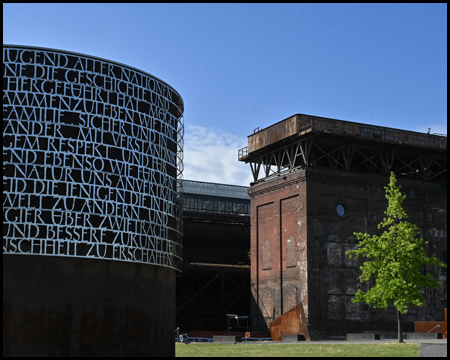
(378, 133)
(292, 322)
(274, 133)
(316, 269)
(426, 326)
(55, 306)
(301, 124)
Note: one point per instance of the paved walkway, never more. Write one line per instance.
(431, 341)
(427, 348)
(433, 350)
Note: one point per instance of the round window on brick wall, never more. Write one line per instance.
(341, 210)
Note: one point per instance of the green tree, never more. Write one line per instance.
(395, 260)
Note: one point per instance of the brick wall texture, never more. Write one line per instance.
(299, 240)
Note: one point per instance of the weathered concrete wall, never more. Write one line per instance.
(56, 306)
(302, 207)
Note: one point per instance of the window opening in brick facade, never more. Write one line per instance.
(341, 210)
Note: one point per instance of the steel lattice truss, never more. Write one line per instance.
(179, 184)
(351, 155)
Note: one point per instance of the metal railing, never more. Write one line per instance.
(188, 340)
(437, 326)
(242, 153)
(257, 339)
(206, 339)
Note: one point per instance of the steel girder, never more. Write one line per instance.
(352, 155)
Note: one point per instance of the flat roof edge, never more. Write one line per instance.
(301, 124)
(346, 121)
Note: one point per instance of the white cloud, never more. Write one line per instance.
(211, 155)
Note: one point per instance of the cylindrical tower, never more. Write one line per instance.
(90, 150)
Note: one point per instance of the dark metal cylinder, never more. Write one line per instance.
(91, 235)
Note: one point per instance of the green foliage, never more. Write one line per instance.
(395, 259)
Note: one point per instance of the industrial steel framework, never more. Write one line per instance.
(314, 186)
(179, 203)
(215, 275)
(344, 145)
(209, 292)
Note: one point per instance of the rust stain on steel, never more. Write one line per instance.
(291, 322)
(373, 132)
(33, 328)
(301, 124)
(274, 133)
(90, 328)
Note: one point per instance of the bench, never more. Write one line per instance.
(292, 338)
(226, 339)
(363, 337)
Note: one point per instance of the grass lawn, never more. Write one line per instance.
(298, 350)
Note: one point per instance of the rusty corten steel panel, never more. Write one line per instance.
(274, 133)
(291, 322)
(301, 124)
(425, 326)
(63, 306)
(373, 132)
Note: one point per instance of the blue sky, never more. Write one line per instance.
(243, 66)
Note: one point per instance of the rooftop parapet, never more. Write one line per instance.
(300, 125)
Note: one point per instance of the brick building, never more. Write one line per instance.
(316, 182)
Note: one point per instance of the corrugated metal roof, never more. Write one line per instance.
(213, 189)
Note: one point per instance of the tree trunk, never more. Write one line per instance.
(399, 320)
